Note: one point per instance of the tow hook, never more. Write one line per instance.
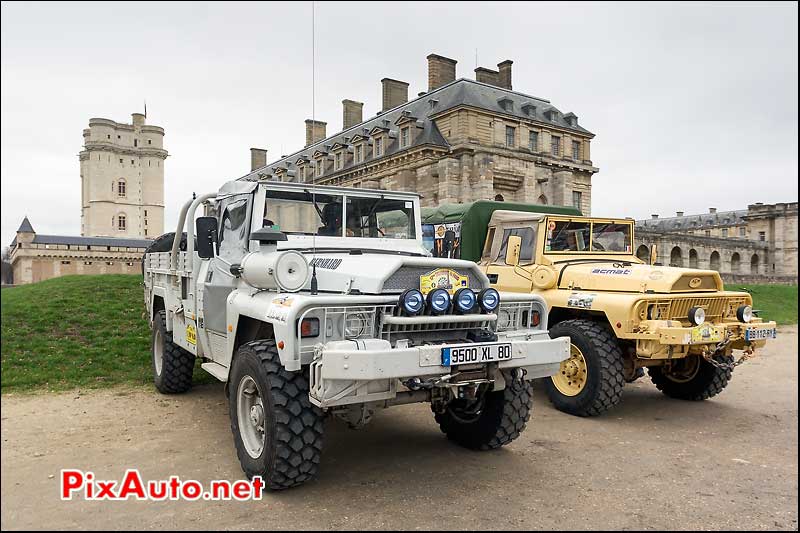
(519, 374)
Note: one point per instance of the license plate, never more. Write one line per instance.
(757, 334)
(480, 353)
(705, 333)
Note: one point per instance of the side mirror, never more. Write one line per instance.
(449, 242)
(206, 230)
(653, 254)
(512, 250)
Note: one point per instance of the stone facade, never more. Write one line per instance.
(122, 179)
(461, 141)
(37, 257)
(758, 244)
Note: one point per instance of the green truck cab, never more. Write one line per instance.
(621, 313)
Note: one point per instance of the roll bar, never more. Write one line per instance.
(187, 212)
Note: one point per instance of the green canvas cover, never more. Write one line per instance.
(475, 216)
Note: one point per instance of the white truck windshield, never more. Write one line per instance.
(339, 215)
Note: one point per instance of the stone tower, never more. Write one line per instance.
(122, 179)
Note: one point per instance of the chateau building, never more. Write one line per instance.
(754, 244)
(122, 207)
(461, 140)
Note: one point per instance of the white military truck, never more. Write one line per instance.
(322, 301)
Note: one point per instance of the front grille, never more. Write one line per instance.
(407, 277)
(388, 331)
(716, 308)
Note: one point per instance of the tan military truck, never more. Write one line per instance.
(621, 313)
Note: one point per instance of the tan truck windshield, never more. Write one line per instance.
(589, 236)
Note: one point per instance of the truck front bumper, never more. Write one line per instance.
(376, 359)
(667, 339)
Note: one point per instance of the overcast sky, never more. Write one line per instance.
(694, 105)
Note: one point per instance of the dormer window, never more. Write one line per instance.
(320, 168)
(359, 153)
(379, 146)
(405, 135)
(506, 104)
(529, 109)
(337, 163)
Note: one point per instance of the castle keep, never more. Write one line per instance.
(122, 207)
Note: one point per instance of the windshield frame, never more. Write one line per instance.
(591, 221)
(299, 241)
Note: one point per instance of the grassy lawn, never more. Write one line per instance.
(75, 331)
(776, 302)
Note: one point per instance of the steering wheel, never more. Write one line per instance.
(597, 247)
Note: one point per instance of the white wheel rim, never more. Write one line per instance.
(158, 351)
(250, 416)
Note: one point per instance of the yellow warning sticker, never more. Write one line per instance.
(191, 334)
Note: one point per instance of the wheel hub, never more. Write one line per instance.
(256, 415)
(571, 377)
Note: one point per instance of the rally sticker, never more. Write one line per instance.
(581, 300)
(442, 278)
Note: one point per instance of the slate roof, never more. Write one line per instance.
(456, 93)
(26, 227)
(689, 222)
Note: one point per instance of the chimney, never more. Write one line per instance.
(489, 76)
(315, 131)
(441, 70)
(712, 210)
(395, 92)
(138, 119)
(352, 113)
(258, 158)
(504, 69)
(655, 216)
(679, 213)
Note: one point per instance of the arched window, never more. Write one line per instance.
(121, 188)
(713, 261)
(692, 258)
(643, 253)
(736, 261)
(676, 257)
(542, 200)
(754, 264)
(122, 222)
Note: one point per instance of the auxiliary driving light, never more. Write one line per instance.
(744, 313)
(465, 300)
(697, 315)
(412, 302)
(489, 299)
(438, 301)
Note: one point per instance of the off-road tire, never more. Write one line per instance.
(707, 383)
(604, 362)
(503, 417)
(294, 427)
(177, 364)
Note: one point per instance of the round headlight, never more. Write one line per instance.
(489, 299)
(465, 300)
(744, 313)
(412, 302)
(438, 301)
(697, 315)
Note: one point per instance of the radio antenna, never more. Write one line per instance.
(313, 138)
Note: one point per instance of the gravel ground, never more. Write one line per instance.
(652, 463)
